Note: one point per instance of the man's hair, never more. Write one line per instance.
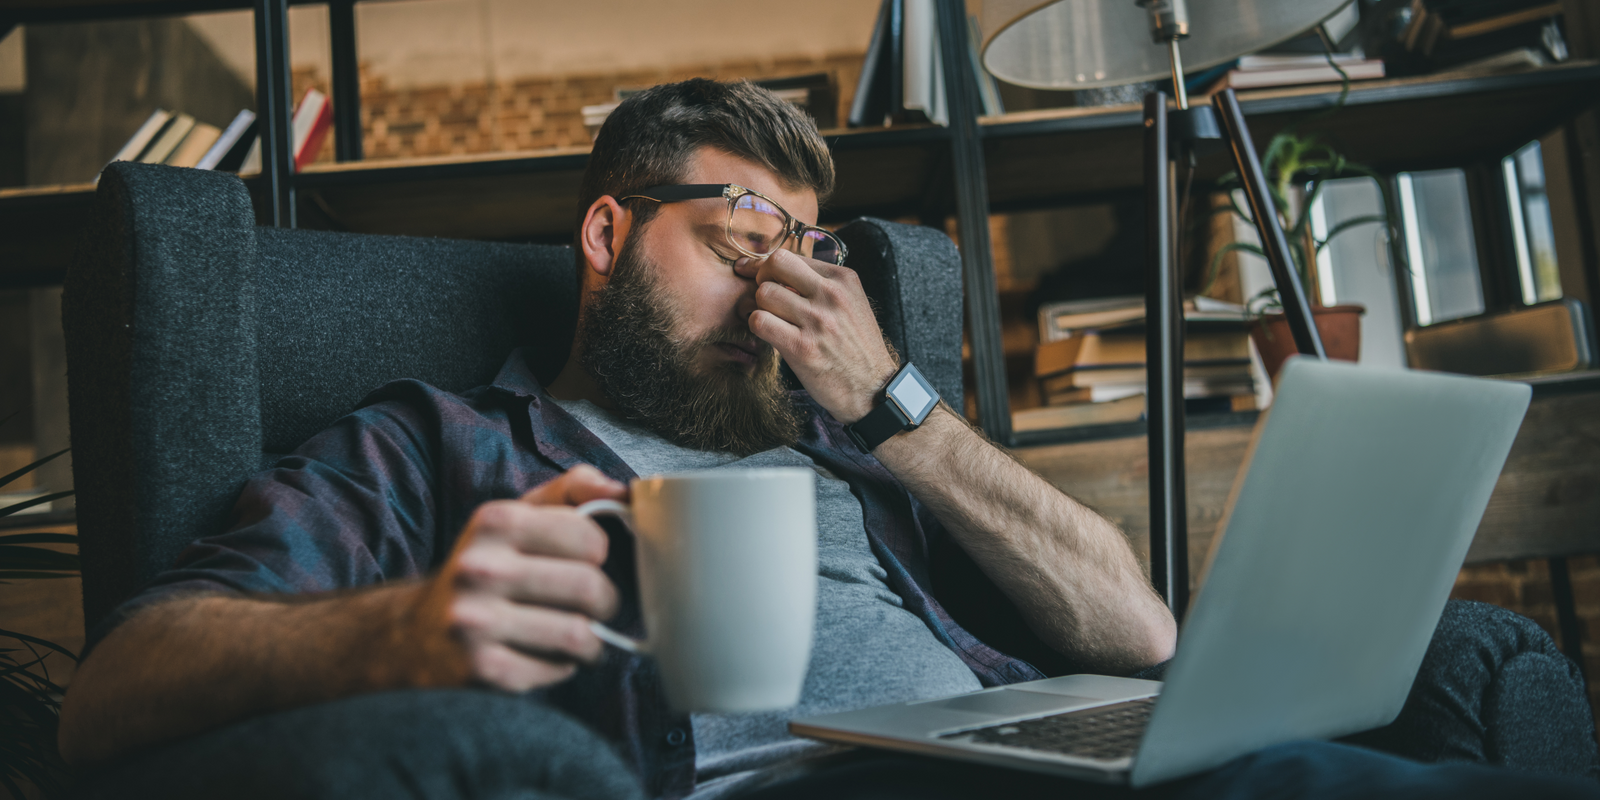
(648, 140)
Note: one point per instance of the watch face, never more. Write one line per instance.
(913, 394)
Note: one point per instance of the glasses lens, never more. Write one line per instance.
(756, 225)
(821, 246)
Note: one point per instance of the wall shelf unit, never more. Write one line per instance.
(1027, 160)
(1033, 159)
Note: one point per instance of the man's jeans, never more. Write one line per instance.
(1492, 689)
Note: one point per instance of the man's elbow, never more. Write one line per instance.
(1161, 638)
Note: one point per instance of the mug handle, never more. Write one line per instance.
(595, 508)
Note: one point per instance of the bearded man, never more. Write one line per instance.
(403, 605)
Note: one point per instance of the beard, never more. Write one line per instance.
(631, 349)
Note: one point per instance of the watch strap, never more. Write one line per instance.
(883, 421)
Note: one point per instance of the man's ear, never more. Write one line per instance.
(604, 230)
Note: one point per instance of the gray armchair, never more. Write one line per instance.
(200, 347)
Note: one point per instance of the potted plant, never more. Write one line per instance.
(1297, 166)
(30, 701)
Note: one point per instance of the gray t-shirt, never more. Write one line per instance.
(869, 650)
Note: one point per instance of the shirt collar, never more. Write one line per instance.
(516, 377)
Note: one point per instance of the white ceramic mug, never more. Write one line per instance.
(728, 582)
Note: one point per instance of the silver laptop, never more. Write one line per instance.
(1342, 538)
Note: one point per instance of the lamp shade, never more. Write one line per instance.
(1084, 44)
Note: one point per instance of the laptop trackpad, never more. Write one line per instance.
(1008, 703)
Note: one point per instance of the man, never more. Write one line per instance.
(427, 542)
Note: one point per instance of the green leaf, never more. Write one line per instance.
(35, 465)
(1216, 260)
(1351, 223)
(37, 501)
(22, 637)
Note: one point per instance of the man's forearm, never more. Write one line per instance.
(192, 664)
(1068, 569)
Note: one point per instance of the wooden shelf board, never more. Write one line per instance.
(37, 11)
(1043, 158)
(1033, 159)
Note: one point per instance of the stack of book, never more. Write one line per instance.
(1091, 362)
(179, 140)
(1261, 71)
(902, 78)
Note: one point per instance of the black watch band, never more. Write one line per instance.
(908, 399)
(883, 421)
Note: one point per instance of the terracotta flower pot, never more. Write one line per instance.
(1339, 326)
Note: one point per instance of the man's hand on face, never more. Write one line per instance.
(818, 318)
(525, 580)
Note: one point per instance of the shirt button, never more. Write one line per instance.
(676, 736)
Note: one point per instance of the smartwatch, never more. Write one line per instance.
(908, 400)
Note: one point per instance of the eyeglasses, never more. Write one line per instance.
(757, 226)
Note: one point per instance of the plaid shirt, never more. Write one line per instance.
(383, 494)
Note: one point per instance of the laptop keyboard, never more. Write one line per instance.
(1108, 732)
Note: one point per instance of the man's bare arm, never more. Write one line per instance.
(510, 609)
(1069, 570)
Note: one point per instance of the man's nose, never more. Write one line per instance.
(746, 269)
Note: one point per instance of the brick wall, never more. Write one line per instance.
(1524, 587)
(530, 113)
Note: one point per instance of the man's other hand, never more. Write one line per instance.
(818, 318)
(524, 581)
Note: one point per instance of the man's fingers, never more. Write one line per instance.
(544, 633)
(575, 487)
(555, 582)
(504, 668)
(784, 336)
(541, 530)
(804, 275)
(787, 304)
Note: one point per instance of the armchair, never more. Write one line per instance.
(201, 347)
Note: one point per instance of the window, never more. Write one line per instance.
(1355, 266)
(1437, 219)
(1533, 235)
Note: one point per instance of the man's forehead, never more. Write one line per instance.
(710, 165)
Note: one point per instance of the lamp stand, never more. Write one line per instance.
(1172, 136)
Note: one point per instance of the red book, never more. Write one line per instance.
(312, 119)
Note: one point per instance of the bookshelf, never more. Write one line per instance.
(1024, 161)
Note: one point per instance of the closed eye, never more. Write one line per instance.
(726, 259)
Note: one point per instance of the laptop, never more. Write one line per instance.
(1342, 537)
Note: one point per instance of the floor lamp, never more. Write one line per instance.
(1085, 44)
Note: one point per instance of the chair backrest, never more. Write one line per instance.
(200, 346)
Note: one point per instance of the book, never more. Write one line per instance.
(871, 102)
(312, 120)
(194, 146)
(1366, 69)
(240, 130)
(1126, 409)
(141, 138)
(171, 136)
(1060, 319)
(1127, 347)
(902, 75)
(1199, 380)
(252, 158)
(920, 70)
(1269, 61)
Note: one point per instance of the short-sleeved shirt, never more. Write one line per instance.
(383, 493)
